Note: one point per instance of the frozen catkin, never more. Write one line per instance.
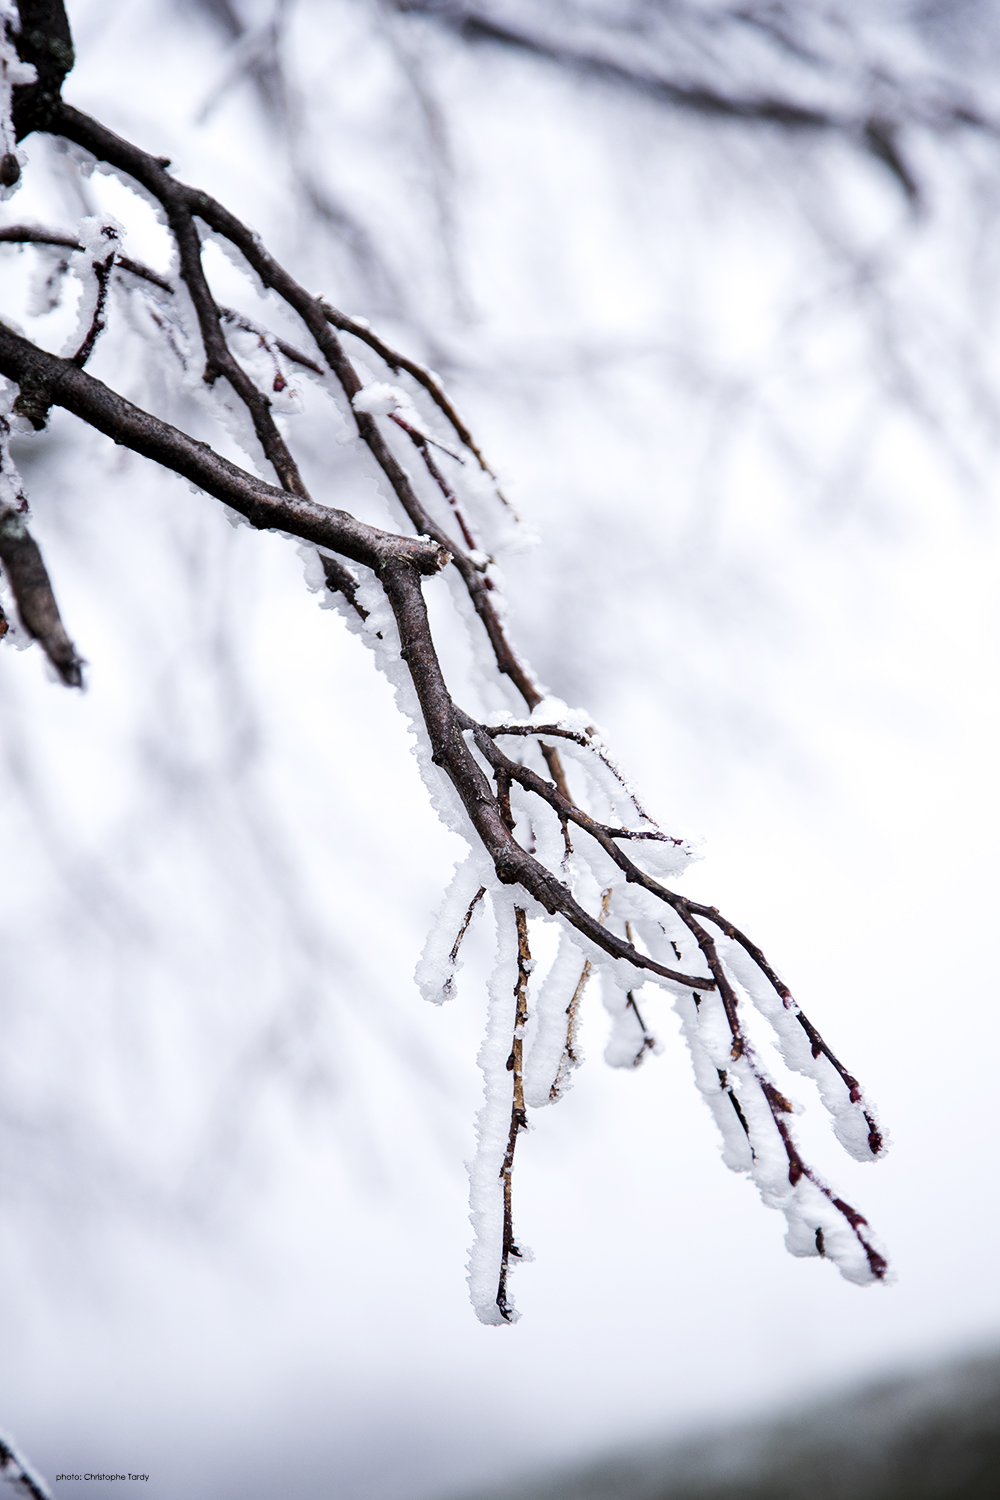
(441, 959)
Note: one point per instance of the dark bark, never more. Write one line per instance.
(43, 40)
(63, 384)
(36, 604)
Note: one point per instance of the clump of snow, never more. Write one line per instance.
(99, 238)
(379, 399)
(756, 1143)
(627, 1045)
(555, 1052)
(848, 1109)
(441, 958)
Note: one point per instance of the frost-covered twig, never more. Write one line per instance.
(424, 377)
(423, 445)
(101, 268)
(263, 505)
(19, 1474)
(31, 234)
(562, 1022)
(588, 741)
(460, 934)
(269, 342)
(618, 918)
(518, 1114)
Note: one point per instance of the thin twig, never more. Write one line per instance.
(558, 731)
(422, 443)
(453, 955)
(817, 1044)
(518, 1114)
(29, 234)
(36, 603)
(648, 1039)
(778, 1106)
(240, 320)
(340, 581)
(423, 377)
(570, 1058)
(102, 274)
(17, 1472)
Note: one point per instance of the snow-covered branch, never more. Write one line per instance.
(556, 833)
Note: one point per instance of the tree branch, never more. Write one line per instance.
(265, 507)
(480, 774)
(36, 604)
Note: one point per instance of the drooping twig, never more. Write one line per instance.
(741, 1047)
(240, 320)
(340, 581)
(818, 1046)
(778, 1106)
(422, 443)
(102, 275)
(453, 955)
(518, 1114)
(423, 377)
(570, 1056)
(648, 1039)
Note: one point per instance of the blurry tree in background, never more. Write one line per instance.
(707, 375)
(935, 1435)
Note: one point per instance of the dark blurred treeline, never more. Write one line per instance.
(935, 1436)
